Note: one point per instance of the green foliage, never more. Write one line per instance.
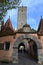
(6, 5)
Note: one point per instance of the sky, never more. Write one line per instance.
(34, 13)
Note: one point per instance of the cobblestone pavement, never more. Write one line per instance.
(23, 59)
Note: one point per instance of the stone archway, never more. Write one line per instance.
(19, 40)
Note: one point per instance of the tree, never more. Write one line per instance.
(6, 5)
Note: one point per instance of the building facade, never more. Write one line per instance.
(12, 41)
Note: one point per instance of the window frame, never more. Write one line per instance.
(6, 47)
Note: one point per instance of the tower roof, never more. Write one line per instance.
(40, 28)
(8, 28)
(8, 23)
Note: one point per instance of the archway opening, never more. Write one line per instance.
(35, 46)
(21, 48)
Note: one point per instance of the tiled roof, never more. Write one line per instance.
(7, 28)
(8, 23)
(40, 28)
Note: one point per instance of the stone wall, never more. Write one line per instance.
(19, 39)
(8, 55)
(4, 54)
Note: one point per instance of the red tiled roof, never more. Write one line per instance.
(8, 28)
(40, 28)
(8, 24)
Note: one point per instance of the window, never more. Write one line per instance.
(1, 46)
(7, 45)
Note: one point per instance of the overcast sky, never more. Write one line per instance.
(34, 13)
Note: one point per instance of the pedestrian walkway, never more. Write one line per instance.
(23, 59)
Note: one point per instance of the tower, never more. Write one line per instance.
(0, 26)
(1, 23)
(22, 18)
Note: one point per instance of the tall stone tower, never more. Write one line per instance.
(22, 18)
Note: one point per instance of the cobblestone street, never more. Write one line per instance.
(23, 60)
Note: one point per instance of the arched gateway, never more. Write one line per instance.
(22, 39)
